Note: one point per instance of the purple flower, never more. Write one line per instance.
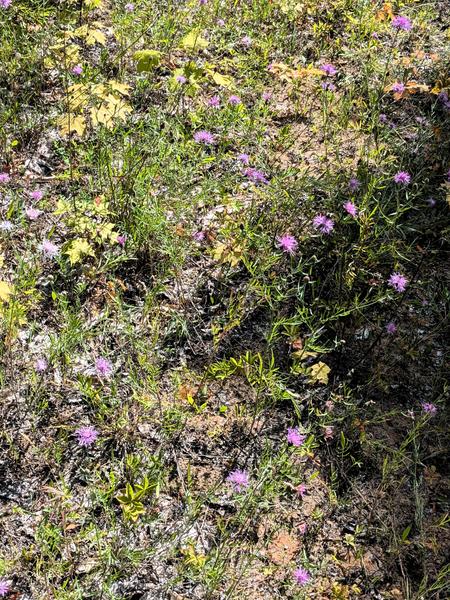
(33, 213)
(5, 586)
(246, 41)
(448, 175)
(255, 175)
(214, 101)
(204, 137)
(398, 87)
(400, 22)
(37, 195)
(77, 70)
(402, 177)
(234, 100)
(351, 209)
(238, 479)
(5, 4)
(323, 224)
(383, 119)
(328, 69)
(354, 184)
(329, 432)
(202, 2)
(429, 408)
(4, 177)
(49, 249)
(326, 85)
(244, 158)
(103, 367)
(181, 79)
(86, 435)
(301, 576)
(6, 226)
(199, 236)
(391, 328)
(288, 244)
(266, 96)
(301, 489)
(121, 239)
(220, 22)
(294, 437)
(431, 202)
(398, 282)
(129, 7)
(41, 365)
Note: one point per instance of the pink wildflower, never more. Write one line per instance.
(398, 282)
(121, 239)
(429, 408)
(77, 70)
(400, 22)
(49, 249)
(351, 209)
(323, 224)
(103, 367)
(402, 177)
(354, 184)
(294, 437)
(398, 87)
(328, 69)
(37, 195)
(302, 528)
(41, 365)
(4, 177)
(301, 489)
(246, 41)
(238, 479)
(5, 586)
(214, 101)
(255, 175)
(181, 79)
(204, 137)
(287, 243)
(301, 576)
(199, 236)
(391, 328)
(266, 96)
(86, 435)
(33, 213)
(129, 7)
(244, 158)
(234, 100)
(5, 4)
(329, 432)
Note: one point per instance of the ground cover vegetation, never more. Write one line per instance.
(224, 299)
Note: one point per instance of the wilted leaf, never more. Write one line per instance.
(5, 291)
(77, 249)
(194, 41)
(147, 60)
(319, 373)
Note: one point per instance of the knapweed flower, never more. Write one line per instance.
(37, 195)
(246, 41)
(402, 177)
(49, 249)
(266, 96)
(400, 22)
(302, 528)
(323, 224)
(41, 365)
(391, 328)
(287, 243)
(383, 119)
(398, 87)
(398, 282)
(4, 585)
(5, 4)
(354, 184)
(121, 239)
(214, 101)
(429, 408)
(255, 175)
(301, 576)
(129, 7)
(328, 69)
(199, 236)
(301, 489)
(4, 177)
(33, 213)
(6, 226)
(243, 158)
(220, 22)
(351, 209)
(234, 100)
(431, 202)
(239, 480)
(202, 2)
(204, 137)
(86, 435)
(180, 79)
(329, 432)
(294, 437)
(77, 70)
(103, 367)
(328, 86)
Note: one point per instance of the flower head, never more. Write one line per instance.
(391, 328)
(49, 249)
(351, 209)
(398, 282)
(103, 367)
(234, 100)
(220, 22)
(328, 69)
(4, 177)
(5, 586)
(402, 177)
(327, 85)
(323, 223)
(301, 489)
(301, 576)
(37, 195)
(77, 70)
(329, 432)
(246, 41)
(121, 239)
(294, 437)
(204, 137)
(255, 175)
(398, 87)
(5, 4)
(266, 96)
(41, 365)
(238, 479)
(33, 213)
(129, 7)
(400, 22)
(214, 101)
(86, 435)
(287, 243)
(429, 408)
(6, 226)
(354, 184)
(243, 158)
(199, 236)
(180, 79)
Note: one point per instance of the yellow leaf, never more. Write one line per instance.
(77, 249)
(2, 260)
(223, 80)
(95, 36)
(194, 41)
(319, 373)
(5, 291)
(122, 88)
(71, 123)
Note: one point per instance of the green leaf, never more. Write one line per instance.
(194, 41)
(147, 60)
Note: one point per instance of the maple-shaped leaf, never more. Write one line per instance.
(194, 41)
(122, 88)
(69, 124)
(318, 373)
(78, 249)
(223, 80)
(5, 291)
(95, 36)
(147, 60)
